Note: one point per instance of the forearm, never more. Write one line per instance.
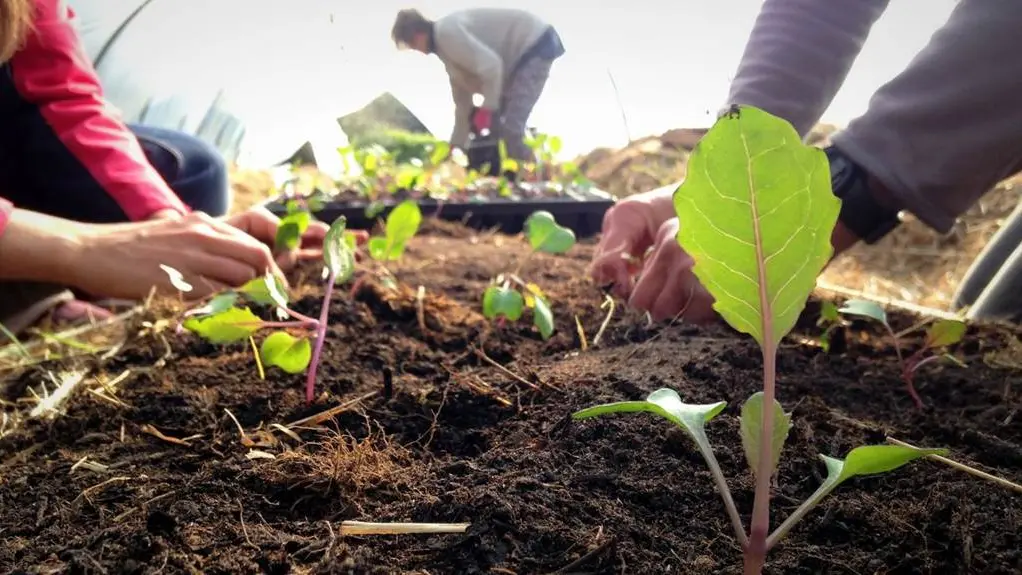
(798, 55)
(38, 247)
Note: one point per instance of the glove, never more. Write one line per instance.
(482, 118)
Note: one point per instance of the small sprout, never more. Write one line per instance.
(291, 228)
(223, 320)
(177, 279)
(942, 333)
(544, 234)
(830, 320)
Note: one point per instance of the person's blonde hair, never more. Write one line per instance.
(15, 23)
(407, 24)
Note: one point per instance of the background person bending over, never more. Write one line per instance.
(87, 203)
(503, 54)
(932, 142)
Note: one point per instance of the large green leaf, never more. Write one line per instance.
(752, 428)
(757, 212)
(283, 350)
(666, 403)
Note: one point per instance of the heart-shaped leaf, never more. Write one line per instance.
(945, 332)
(286, 352)
(232, 325)
(752, 428)
(865, 308)
(291, 228)
(666, 403)
(402, 224)
(502, 301)
(546, 235)
(339, 252)
(542, 317)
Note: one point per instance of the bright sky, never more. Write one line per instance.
(295, 66)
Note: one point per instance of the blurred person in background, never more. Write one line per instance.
(91, 205)
(934, 139)
(501, 53)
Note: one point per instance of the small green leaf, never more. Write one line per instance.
(441, 150)
(315, 203)
(291, 228)
(752, 427)
(177, 279)
(502, 301)
(865, 308)
(374, 209)
(546, 235)
(872, 460)
(231, 325)
(666, 403)
(829, 313)
(945, 332)
(266, 290)
(338, 251)
(286, 352)
(542, 317)
(757, 213)
(217, 304)
(554, 144)
(402, 224)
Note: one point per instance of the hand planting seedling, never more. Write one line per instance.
(224, 318)
(508, 295)
(758, 213)
(942, 333)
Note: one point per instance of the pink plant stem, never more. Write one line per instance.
(755, 551)
(317, 349)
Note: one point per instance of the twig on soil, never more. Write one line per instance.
(322, 416)
(286, 432)
(368, 528)
(127, 513)
(90, 465)
(90, 490)
(607, 302)
(150, 430)
(967, 469)
(244, 530)
(482, 355)
(420, 308)
(50, 403)
(581, 334)
(71, 333)
(599, 550)
(903, 305)
(258, 358)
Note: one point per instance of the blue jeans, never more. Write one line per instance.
(38, 174)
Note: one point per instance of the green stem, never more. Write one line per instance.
(725, 492)
(755, 551)
(807, 506)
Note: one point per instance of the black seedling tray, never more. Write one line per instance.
(582, 211)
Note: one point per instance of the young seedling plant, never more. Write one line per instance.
(508, 294)
(758, 214)
(224, 318)
(940, 334)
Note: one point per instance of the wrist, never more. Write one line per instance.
(165, 214)
(38, 247)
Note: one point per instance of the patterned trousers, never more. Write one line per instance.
(518, 100)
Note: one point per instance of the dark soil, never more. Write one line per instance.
(540, 490)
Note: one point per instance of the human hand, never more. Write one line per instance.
(666, 287)
(123, 260)
(629, 230)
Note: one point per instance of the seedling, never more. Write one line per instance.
(224, 318)
(830, 321)
(942, 333)
(758, 214)
(508, 294)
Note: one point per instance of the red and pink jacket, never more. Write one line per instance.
(52, 72)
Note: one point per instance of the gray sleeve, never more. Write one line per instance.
(798, 55)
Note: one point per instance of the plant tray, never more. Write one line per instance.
(581, 211)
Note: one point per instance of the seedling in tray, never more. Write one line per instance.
(757, 214)
(224, 318)
(942, 333)
(508, 295)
